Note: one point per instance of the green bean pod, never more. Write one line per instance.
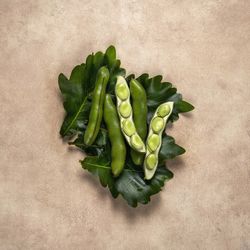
(96, 111)
(118, 147)
(125, 113)
(154, 140)
(140, 110)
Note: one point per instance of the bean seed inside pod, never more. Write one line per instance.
(125, 109)
(151, 161)
(122, 91)
(128, 127)
(157, 124)
(153, 142)
(136, 142)
(163, 110)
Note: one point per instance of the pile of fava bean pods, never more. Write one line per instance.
(126, 122)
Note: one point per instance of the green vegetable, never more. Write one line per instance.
(157, 124)
(153, 142)
(77, 92)
(140, 110)
(136, 142)
(125, 109)
(126, 117)
(151, 161)
(77, 89)
(128, 127)
(156, 128)
(163, 110)
(122, 92)
(118, 147)
(96, 111)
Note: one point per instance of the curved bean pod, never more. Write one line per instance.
(154, 140)
(140, 110)
(124, 110)
(118, 147)
(96, 111)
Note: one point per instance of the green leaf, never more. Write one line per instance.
(97, 148)
(73, 123)
(75, 103)
(98, 60)
(100, 166)
(77, 74)
(130, 184)
(134, 189)
(72, 94)
(130, 77)
(169, 149)
(183, 106)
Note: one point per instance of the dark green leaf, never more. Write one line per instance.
(169, 149)
(130, 77)
(134, 189)
(73, 123)
(143, 78)
(175, 98)
(100, 166)
(77, 74)
(98, 60)
(75, 104)
(97, 148)
(72, 94)
(183, 106)
(86, 84)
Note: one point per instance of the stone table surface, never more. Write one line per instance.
(48, 201)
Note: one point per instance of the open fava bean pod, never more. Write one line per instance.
(126, 115)
(154, 140)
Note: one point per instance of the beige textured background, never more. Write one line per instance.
(48, 202)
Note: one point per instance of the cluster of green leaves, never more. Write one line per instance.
(77, 91)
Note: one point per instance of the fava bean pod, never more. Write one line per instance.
(140, 111)
(118, 147)
(124, 110)
(96, 111)
(154, 139)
